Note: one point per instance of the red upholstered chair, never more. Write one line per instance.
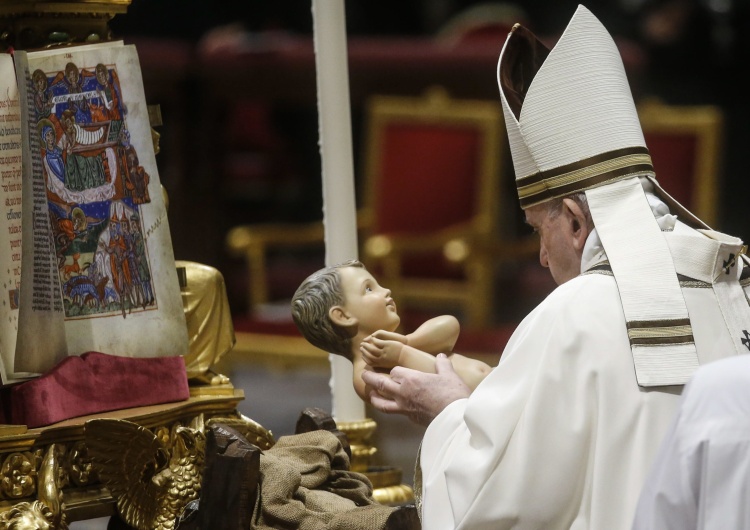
(685, 143)
(431, 200)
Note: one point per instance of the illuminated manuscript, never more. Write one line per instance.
(87, 262)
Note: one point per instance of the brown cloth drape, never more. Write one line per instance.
(306, 484)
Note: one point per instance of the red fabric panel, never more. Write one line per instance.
(97, 382)
(673, 156)
(428, 181)
(428, 178)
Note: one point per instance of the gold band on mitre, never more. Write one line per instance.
(583, 175)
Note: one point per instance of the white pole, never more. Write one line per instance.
(339, 208)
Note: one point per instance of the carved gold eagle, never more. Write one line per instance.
(151, 478)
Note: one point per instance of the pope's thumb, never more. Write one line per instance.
(443, 363)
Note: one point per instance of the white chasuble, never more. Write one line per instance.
(559, 435)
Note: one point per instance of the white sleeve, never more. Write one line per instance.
(514, 454)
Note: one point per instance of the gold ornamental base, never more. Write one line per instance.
(386, 480)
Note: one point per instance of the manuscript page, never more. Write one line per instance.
(105, 270)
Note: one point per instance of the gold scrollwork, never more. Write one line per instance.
(48, 511)
(18, 475)
(81, 468)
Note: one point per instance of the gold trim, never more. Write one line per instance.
(643, 333)
(212, 390)
(578, 175)
(660, 332)
(393, 495)
(583, 174)
(358, 433)
(12, 430)
(387, 487)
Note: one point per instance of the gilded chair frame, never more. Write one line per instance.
(462, 243)
(705, 123)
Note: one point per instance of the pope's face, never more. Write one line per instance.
(367, 301)
(556, 250)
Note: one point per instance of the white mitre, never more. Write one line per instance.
(573, 127)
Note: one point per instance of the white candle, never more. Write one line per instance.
(339, 208)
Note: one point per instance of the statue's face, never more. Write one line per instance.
(369, 303)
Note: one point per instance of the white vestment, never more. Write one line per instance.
(701, 476)
(559, 435)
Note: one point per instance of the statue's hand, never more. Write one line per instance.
(380, 353)
(389, 335)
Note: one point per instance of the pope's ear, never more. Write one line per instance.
(579, 230)
(341, 317)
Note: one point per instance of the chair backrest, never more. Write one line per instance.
(432, 177)
(685, 143)
(431, 163)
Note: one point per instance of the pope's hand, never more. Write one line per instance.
(418, 395)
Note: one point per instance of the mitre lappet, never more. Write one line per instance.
(573, 127)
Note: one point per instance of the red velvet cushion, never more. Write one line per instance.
(96, 382)
(673, 156)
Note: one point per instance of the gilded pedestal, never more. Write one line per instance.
(386, 480)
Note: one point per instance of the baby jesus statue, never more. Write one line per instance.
(343, 310)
